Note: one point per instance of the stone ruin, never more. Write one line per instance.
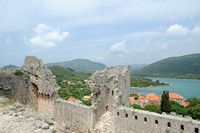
(110, 89)
(42, 83)
(110, 93)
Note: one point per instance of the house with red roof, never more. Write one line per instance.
(152, 98)
(72, 99)
(176, 97)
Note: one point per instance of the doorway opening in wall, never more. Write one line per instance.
(106, 107)
(35, 92)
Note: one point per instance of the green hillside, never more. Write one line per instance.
(67, 74)
(187, 66)
(80, 65)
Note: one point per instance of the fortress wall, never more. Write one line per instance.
(16, 87)
(74, 117)
(133, 121)
(45, 105)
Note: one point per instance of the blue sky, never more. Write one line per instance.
(113, 32)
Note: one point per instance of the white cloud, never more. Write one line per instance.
(119, 48)
(46, 37)
(177, 29)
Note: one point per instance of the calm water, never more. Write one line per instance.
(185, 87)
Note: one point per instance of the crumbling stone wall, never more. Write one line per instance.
(16, 87)
(138, 121)
(43, 84)
(110, 89)
(74, 117)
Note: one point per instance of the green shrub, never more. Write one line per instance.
(87, 102)
(152, 108)
(135, 106)
(18, 72)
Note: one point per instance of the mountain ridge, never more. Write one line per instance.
(80, 65)
(186, 66)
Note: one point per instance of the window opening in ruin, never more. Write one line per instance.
(117, 113)
(182, 127)
(112, 92)
(136, 117)
(196, 130)
(168, 124)
(145, 119)
(156, 121)
(126, 115)
(107, 108)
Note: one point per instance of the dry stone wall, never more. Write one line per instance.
(128, 120)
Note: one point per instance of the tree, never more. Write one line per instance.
(165, 103)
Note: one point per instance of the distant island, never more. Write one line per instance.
(182, 67)
(145, 82)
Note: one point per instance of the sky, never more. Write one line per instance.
(109, 31)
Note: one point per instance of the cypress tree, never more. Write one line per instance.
(165, 103)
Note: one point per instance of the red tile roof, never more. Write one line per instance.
(71, 99)
(141, 100)
(132, 100)
(185, 104)
(152, 97)
(175, 96)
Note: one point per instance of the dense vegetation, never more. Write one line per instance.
(80, 65)
(72, 84)
(144, 82)
(187, 66)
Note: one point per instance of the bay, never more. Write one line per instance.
(185, 87)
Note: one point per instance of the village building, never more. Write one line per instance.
(152, 99)
(176, 97)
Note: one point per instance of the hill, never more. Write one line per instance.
(80, 65)
(63, 73)
(187, 66)
(137, 66)
(10, 67)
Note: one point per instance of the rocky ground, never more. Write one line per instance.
(15, 118)
(104, 125)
